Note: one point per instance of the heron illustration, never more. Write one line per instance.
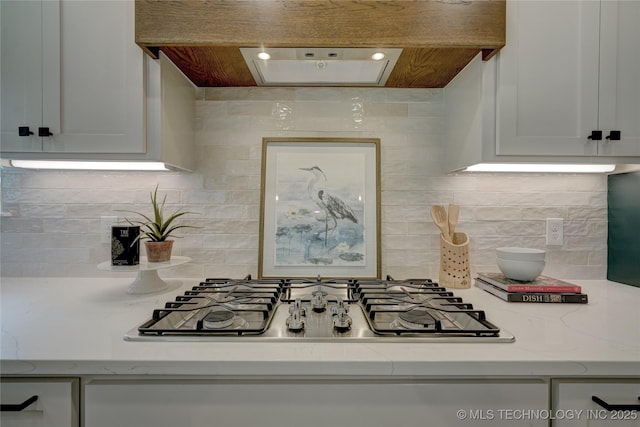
(333, 206)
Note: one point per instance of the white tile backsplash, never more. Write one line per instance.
(50, 218)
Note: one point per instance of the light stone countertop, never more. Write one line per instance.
(75, 327)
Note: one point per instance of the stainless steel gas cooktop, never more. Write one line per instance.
(319, 310)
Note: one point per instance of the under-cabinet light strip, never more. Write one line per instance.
(88, 165)
(539, 167)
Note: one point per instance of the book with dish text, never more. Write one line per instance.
(541, 284)
(534, 297)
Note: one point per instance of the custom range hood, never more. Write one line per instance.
(425, 43)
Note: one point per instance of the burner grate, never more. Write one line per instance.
(251, 304)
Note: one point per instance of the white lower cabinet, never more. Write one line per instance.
(573, 406)
(309, 402)
(56, 403)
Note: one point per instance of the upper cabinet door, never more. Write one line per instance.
(23, 39)
(100, 83)
(620, 77)
(74, 68)
(570, 68)
(548, 79)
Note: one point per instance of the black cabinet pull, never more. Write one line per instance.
(44, 132)
(18, 406)
(614, 135)
(616, 407)
(596, 135)
(24, 131)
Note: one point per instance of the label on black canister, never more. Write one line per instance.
(125, 249)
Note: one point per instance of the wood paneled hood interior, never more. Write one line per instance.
(438, 37)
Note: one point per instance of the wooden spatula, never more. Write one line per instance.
(439, 216)
(452, 219)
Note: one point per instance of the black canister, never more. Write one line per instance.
(125, 246)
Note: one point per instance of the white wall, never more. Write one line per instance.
(50, 219)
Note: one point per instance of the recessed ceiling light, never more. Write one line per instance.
(377, 56)
(264, 55)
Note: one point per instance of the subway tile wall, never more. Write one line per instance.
(50, 219)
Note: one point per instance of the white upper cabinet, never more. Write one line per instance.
(21, 76)
(569, 68)
(71, 67)
(620, 76)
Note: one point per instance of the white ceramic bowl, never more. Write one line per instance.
(525, 271)
(521, 254)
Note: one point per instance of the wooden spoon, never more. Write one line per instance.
(454, 211)
(439, 216)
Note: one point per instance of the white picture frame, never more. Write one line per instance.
(320, 208)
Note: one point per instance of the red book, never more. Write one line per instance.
(541, 284)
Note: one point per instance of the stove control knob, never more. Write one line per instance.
(342, 322)
(340, 308)
(297, 307)
(342, 305)
(319, 301)
(295, 323)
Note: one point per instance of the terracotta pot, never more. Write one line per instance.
(159, 251)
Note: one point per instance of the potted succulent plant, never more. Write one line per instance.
(158, 228)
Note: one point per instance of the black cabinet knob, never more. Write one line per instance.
(44, 132)
(24, 131)
(596, 135)
(614, 135)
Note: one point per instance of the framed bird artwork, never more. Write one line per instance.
(320, 208)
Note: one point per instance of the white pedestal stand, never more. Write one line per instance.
(147, 280)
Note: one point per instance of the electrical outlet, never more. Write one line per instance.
(106, 222)
(555, 231)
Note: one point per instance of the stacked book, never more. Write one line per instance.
(543, 289)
